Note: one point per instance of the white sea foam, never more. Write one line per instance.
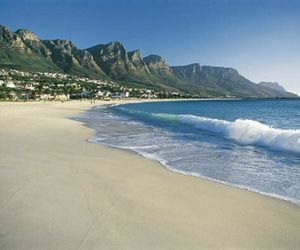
(244, 131)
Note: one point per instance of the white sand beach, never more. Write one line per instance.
(58, 191)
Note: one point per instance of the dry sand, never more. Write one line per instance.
(58, 191)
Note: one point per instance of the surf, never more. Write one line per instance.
(244, 131)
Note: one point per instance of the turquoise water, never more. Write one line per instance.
(252, 144)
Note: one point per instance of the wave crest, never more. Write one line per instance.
(244, 131)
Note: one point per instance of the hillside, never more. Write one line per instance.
(272, 85)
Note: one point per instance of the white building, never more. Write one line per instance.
(10, 84)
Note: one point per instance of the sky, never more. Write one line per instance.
(260, 38)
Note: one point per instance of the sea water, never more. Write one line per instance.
(251, 144)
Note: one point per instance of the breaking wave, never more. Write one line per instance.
(243, 131)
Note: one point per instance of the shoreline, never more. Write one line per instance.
(60, 191)
(198, 176)
(191, 174)
(201, 177)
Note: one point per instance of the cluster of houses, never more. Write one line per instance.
(19, 85)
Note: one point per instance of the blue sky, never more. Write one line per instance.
(259, 38)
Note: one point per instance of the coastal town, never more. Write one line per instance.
(46, 86)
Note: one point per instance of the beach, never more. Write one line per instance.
(58, 191)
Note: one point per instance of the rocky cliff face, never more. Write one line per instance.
(113, 59)
(157, 65)
(188, 71)
(71, 59)
(88, 62)
(27, 35)
(11, 41)
(23, 50)
(63, 53)
(136, 59)
(33, 42)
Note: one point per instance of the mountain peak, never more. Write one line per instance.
(11, 40)
(112, 58)
(221, 70)
(157, 65)
(154, 59)
(155, 62)
(3, 27)
(187, 71)
(62, 45)
(27, 35)
(62, 42)
(195, 64)
(194, 67)
(134, 55)
(115, 44)
(135, 52)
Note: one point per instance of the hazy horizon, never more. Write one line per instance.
(261, 39)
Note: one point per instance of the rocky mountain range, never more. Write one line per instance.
(23, 50)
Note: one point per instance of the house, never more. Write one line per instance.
(44, 97)
(120, 95)
(99, 94)
(10, 84)
(62, 97)
(125, 94)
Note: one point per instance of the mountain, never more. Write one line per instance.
(73, 60)
(136, 59)
(113, 59)
(33, 43)
(272, 85)
(158, 66)
(213, 81)
(208, 81)
(127, 67)
(25, 51)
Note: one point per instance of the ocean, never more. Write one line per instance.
(251, 144)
